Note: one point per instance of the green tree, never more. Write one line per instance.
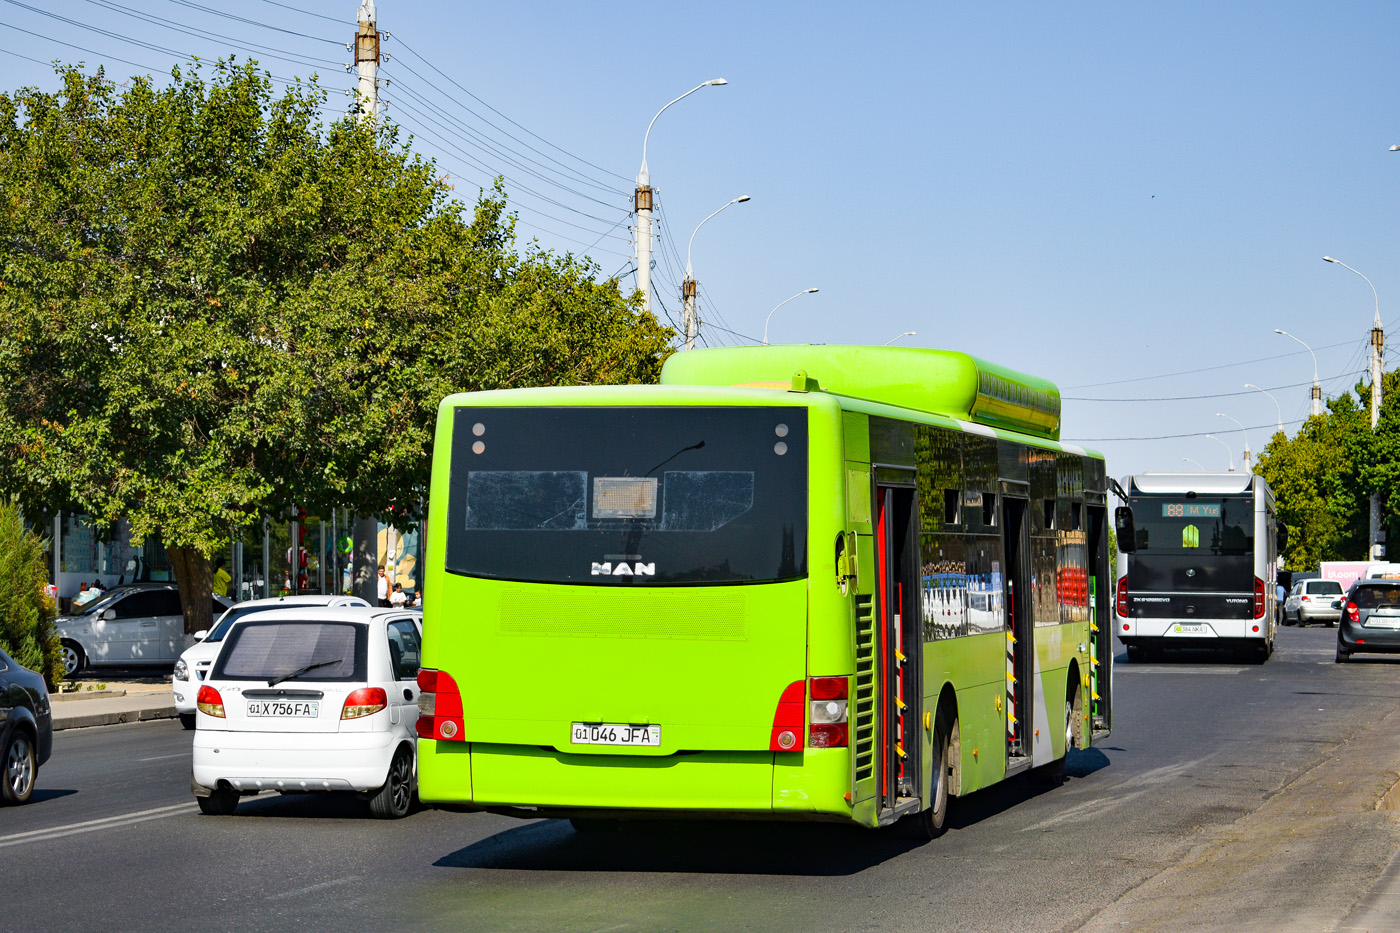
(215, 308)
(26, 613)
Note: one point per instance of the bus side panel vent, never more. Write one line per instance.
(864, 714)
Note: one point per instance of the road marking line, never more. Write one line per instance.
(309, 889)
(163, 757)
(92, 826)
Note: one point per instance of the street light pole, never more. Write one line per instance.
(689, 287)
(1277, 408)
(1229, 454)
(1221, 414)
(907, 333)
(1317, 387)
(642, 204)
(1377, 347)
(805, 291)
(1197, 462)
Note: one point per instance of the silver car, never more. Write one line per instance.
(128, 626)
(1311, 601)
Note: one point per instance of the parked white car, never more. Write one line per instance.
(1311, 601)
(313, 700)
(127, 626)
(194, 663)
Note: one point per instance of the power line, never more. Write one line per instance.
(1205, 369)
(172, 25)
(1188, 398)
(1172, 437)
(253, 22)
(286, 6)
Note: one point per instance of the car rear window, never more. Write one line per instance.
(1325, 587)
(1374, 597)
(273, 650)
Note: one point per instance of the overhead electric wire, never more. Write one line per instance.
(1204, 369)
(1172, 437)
(1189, 398)
(253, 22)
(294, 9)
(459, 87)
(477, 141)
(172, 25)
(80, 48)
(38, 62)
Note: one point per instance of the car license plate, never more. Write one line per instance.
(1383, 621)
(307, 709)
(1190, 628)
(609, 733)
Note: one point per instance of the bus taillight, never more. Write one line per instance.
(1258, 598)
(828, 712)
(787, 719)
(439, 707)
(1122, 602)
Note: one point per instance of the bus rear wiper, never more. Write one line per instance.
(303, 670)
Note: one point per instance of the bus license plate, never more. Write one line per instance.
(1190, 628)
(284, 708)
(609, 733)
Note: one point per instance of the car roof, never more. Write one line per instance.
(302, 599)
(361, 614)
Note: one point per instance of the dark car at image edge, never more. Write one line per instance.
(26, 729)
(1370, 619)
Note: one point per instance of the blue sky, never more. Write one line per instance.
(1124, 198)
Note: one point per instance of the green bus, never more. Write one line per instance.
(807, 582)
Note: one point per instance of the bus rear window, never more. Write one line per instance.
(625, 496)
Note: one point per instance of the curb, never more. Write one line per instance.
(113, 719)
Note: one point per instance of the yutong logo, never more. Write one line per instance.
(624, 569)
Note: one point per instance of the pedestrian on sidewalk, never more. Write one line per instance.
(383, 590)
(399, 599)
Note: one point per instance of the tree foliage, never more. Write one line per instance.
(26, 613)
(214, 308)
(1324, 475)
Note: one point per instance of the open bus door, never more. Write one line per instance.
(1101, 625)
(898, 650)
(1020, 631)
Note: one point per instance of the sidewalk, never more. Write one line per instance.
(118, 703)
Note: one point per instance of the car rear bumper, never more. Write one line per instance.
(1353, 638)
(295, 761)
(1318, 614)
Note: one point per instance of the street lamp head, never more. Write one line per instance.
(1284, 332)
(1328, 259)
(808, 291)
(716, 81)
(741, 199)
(1395, 148)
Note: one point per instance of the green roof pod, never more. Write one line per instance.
(946, 382)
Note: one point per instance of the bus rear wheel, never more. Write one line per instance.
(931, 822)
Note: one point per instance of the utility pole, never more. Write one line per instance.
(367, 60)
(1377, 347)
(692, 322)
(642, 204)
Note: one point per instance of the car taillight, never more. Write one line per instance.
(439, 707)
(1122, 604)
(787, 719)
(828, 712)
(1305, 599)
(1353, 611)
(209, 702)
(1258, 598)
(365, 701)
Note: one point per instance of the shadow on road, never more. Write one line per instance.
(42, 794)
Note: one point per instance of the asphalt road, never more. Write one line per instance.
(1214, 769)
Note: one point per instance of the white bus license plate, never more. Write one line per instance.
(287, 708)
(1190, 628)
(609, 733)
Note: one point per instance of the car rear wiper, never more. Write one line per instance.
(302, 670)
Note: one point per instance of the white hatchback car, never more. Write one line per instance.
(314, 700)
(194, 663)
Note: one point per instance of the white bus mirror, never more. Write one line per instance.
(1124, 529)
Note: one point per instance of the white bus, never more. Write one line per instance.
(1200, 569)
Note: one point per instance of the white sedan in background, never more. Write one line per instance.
(311, 701)
(194, 663)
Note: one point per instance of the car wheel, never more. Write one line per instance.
(1342, 654)
(222, 801)
(187, 720)
(73, 657)
(393, 799)
(20, 769)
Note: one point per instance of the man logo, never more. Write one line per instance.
(623, 569)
